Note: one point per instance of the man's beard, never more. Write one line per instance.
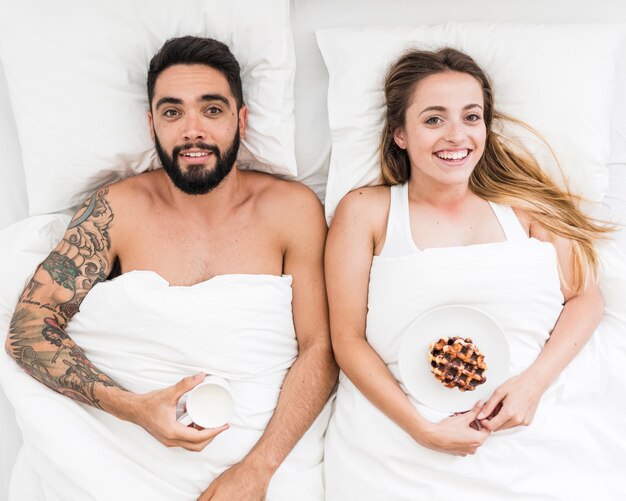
(198, 179)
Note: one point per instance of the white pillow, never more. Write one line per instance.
(13, 206)
(76, 72)
(557, 78)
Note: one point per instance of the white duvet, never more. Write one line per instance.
(72, 452)
(147, 335)
(574, 450)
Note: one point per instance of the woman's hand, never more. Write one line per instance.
(455, 435)
(513, 403)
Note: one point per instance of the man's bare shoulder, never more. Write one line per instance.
(290, 211)
(137, 195)
(129, 201)
(145, 185)
(291, 199)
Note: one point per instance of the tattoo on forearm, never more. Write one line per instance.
(37, 338)
(53, 333)
(37, 303)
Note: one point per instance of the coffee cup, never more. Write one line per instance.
(209, 405)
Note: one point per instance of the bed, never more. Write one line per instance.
(71, 79)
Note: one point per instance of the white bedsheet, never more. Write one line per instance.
(146, 335)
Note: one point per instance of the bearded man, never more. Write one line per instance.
(217, 270)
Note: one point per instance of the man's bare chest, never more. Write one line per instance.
(186, 253)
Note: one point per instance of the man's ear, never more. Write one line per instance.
(398, 137)
(243, 121)
(151, 124)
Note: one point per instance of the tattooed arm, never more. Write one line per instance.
(37, 340)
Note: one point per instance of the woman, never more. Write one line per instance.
(464, 217)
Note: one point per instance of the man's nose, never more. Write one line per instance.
(193, 128)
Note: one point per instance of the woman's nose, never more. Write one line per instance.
(455, 132)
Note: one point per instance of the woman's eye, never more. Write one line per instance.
(473, 117)
(433, 121)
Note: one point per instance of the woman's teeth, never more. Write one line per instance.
(452, 155)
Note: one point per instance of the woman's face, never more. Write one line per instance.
(444, 132)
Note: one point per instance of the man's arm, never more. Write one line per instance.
(310, 379)
(37, 340)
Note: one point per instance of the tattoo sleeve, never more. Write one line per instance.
(37, 338)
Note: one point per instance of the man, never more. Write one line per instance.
(197, 218)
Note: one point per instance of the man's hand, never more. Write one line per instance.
(242, 482)
(156, 413)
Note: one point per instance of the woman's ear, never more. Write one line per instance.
(398, 137)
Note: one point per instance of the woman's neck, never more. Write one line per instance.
(438, 194)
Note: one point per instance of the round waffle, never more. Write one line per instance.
(457, 363)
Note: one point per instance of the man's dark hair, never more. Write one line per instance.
(196, 50)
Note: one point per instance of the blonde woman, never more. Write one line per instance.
(463, 217)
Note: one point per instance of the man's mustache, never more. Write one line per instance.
(201, 146)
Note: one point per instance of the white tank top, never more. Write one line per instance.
(399, 241)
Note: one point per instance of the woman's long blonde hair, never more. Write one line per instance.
(506, 173)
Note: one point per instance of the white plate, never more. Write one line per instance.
(448, 321)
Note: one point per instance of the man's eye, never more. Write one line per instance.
(433, 121)
(170, 113)
(213, 110)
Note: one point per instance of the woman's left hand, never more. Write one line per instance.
(513, 403)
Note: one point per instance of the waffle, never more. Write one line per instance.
(457, 363)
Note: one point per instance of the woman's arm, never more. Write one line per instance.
(349, 252)
(519, 396)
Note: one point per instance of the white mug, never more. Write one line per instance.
(210, 404)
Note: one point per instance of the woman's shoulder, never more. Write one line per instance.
(366, 198)
(532, 226)
(364, 210)
(537, 230)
